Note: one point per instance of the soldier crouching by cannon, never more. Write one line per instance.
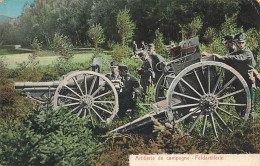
(127, 86)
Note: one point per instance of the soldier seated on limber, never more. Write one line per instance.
(242, 60)
(130, 90)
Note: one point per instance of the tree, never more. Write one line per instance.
(158, 42)
(125, 27)
(96, 33)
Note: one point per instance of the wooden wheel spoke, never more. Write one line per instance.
(204, 123)
(98, 115)
(104, 94)
(75, 108)
(78, 114)
(68, 97)
(231, 94)
(232, 104)
(92, 85)
(96, 91)
(213, 124)
(187, 115)
(228, 113)
(66, 105)
(191, 87)
(222, 121)
(77, 85)
(103, 109)
(186, 96)
(218, 80)
(184, 106)
(226, 85)
(91, 118)
(72, 91)
(195, 122)
(208, 79)
(85, 112)
(105, 102)
(86, 85)
(201, 86)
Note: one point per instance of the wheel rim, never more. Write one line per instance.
(163, 86)
(88, 95)
(214, 98)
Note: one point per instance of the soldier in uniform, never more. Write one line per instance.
(228, 43)
(130, 90)
(114, 72)
(145, 71)
(156, 61)
(243, 61)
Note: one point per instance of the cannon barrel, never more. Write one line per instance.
(23, 85)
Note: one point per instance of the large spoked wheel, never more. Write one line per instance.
(162, 87)
(88, 95)
(214, 99)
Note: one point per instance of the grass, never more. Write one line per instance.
(10, 49)
(13, 59)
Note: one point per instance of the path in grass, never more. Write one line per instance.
(12, 59)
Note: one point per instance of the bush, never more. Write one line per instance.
(48, 137)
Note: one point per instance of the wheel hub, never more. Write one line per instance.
(209, 102)
(87, 101)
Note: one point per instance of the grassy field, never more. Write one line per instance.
(14, 59)
(10, 49)
(12, 56)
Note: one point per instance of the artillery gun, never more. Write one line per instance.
(88, 94)
(197, 94)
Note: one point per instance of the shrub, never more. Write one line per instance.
(48, 137)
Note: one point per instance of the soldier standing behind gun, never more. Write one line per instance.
(131, 85)
(145, 71)
(114, 72)
(228, 43)
(156, 60)
(243, 61)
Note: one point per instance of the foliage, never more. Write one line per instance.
(13, 106)
(36, 45)
(159, 42)
(63, 46)
(48, 137)
(118, 53)
(96, 33)
(125, 29)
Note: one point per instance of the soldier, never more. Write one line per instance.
(228, 43)
(130, 90)
(145, 71)
(243, 61)
(143, 46)
(134, 47)
(114, 71)
(156, 63)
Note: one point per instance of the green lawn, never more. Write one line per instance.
(10, 49)
(12, 59)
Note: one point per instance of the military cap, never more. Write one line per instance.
(240, 37)
(113, 64)
(227, 39)
(142, 53)
(122, 68)
(151, 45)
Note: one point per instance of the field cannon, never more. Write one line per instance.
(88, 94)
(197, 94)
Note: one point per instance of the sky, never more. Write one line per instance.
(13, 8)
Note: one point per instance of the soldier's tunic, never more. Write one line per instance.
(145, 74)
(155, 58)
(126, 100)
(242, 61)
(112, 76)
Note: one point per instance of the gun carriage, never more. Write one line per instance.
(88, 94)
(195, 93)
